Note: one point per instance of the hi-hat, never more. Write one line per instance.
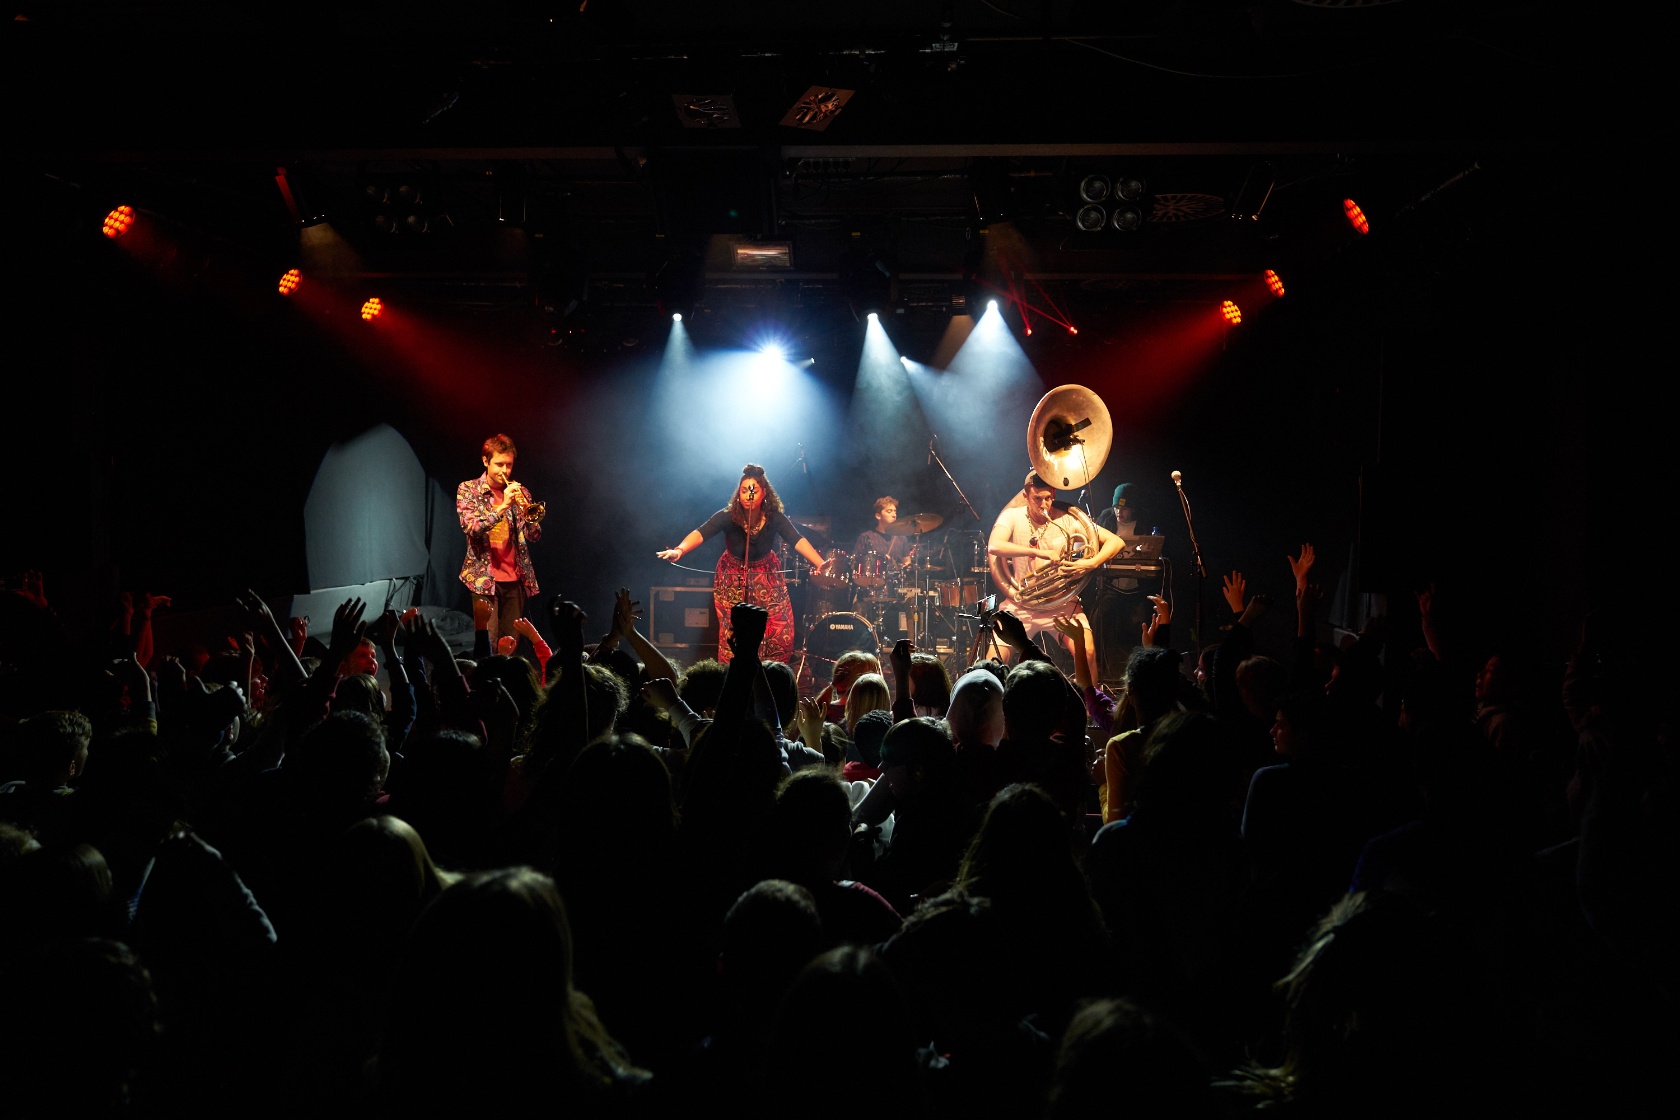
(912, 525)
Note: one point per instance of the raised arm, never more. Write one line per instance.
(625, 612)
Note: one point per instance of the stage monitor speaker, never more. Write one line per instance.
(683, 618)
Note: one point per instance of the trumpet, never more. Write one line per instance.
(528, 509)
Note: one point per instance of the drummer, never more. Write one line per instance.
(894, 549)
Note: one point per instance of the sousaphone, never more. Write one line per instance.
(1068, 441)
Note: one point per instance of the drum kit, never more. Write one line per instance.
(867, 601)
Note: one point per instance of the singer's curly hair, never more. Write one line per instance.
(772, 503)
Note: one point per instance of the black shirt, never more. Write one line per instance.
(735, 537)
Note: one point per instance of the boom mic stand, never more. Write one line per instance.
(1195, 554)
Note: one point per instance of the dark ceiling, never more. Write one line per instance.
(606, 156)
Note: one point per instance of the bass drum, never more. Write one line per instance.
(834, 634)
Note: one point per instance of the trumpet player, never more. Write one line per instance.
(500, 522)
(1037, 545)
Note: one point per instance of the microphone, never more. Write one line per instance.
(1178, 480)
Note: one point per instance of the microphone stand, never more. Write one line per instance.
(933, 457)
(1196, 558)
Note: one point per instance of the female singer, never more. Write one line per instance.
(749, 569)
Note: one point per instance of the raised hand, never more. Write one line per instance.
(1161, 617)
(1236, 591)
(251, 603)
(172, 674)
(149, 603)
(506, 644)
(809, 716)
(382, 631)
(661, 693)
(749, 623)
(625, 613)
(297, 631)
(433, 646)
(132, 677)
(1011, 630)
(902, 651)
(1301, 565)
(33, 588)
(568, 620)
(348, 629)
(1071, 628)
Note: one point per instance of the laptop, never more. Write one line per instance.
(1140, 550)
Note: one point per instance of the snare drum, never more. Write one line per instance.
(834, 634)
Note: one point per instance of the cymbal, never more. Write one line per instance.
(1069, 437)
(915, 523)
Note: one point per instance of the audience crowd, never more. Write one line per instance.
(1383, 877)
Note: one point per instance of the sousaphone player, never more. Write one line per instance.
(1043, 552)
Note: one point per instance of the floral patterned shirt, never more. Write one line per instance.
(475, 505)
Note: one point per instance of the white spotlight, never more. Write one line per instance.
(676, 316)
(773, 350)
(874, 318)
(991, 305)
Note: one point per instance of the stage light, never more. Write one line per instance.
(1274, 282)
(1090, 219)
(1130, 188)
(290, 281)
(1093, 188)
(874, 317)
(118, 221)
(817, 109)
(773, 350)
(1232, 313)
(676, 316)
(371, 309)
(1126, 219)
(1073, 330)
(991, 305)
(1355, 216)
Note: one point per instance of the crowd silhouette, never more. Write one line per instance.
(1390, 876)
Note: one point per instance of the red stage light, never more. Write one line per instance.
(1232, 313)
(1355, 216)
(1275, 283)
(1073, 330)
(371, 309)
(118, 221)
(289, 282)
